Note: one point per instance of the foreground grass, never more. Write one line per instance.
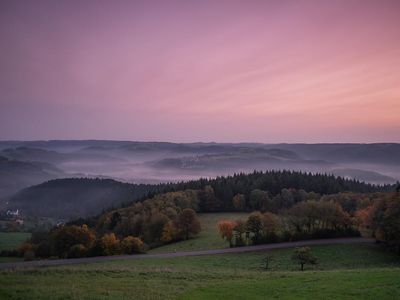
(7, 259)
(208, 237)
(12, 240)
(371, 284)
(343, 272)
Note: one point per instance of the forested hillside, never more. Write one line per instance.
(82, 197)
(273, 182)
(77, 197)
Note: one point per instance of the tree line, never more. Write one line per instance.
(163, 219)
(337, 215)
(218, 192)
(382, 218)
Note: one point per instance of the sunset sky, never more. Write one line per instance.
(183, 71)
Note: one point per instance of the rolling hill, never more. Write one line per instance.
(76, 197)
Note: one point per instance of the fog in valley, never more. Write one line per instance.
(23, 164)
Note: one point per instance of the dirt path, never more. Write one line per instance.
(61, 262)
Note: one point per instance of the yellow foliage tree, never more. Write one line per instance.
(131, 244)
(110, 244)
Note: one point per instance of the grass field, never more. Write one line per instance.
(12, 240)
(208, 237)
(343, 272)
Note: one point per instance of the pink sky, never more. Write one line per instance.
(227, 71)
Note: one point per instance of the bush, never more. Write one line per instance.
(29, 255)
(62, 239)
(25, 247)
(130, 245)
(77, 251)
(43, 249)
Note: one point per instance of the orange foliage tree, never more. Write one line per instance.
(226, 230)
(170, 232)
(110, 244)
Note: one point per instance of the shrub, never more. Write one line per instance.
(65, 237)
(9, 253)
(25, 247)
(29, 255)
(130, 245)
(77, 251)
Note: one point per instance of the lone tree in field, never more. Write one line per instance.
(303, 256)
(266, 261)
(188, 223)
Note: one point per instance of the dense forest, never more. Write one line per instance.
(272, 182)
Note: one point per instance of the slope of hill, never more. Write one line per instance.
(51, 156)
(238, 159)
(363, 175)
(76, 197)
(379, 153)
(15, 174)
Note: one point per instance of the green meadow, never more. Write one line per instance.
(208, 238)
(10, 241)
(342, 272)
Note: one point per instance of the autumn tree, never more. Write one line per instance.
(254, 225)
(239, 230)
(156, 225)
(391, 222)
(384, 219)
(270, 225)
(63, 238)
(363, 217)
(188, 223)
(77, 251)
(303, 256)
(25, 247)
(130, 245)
(225, 229)
(110, 244)
(311, 216)
(170, 232)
